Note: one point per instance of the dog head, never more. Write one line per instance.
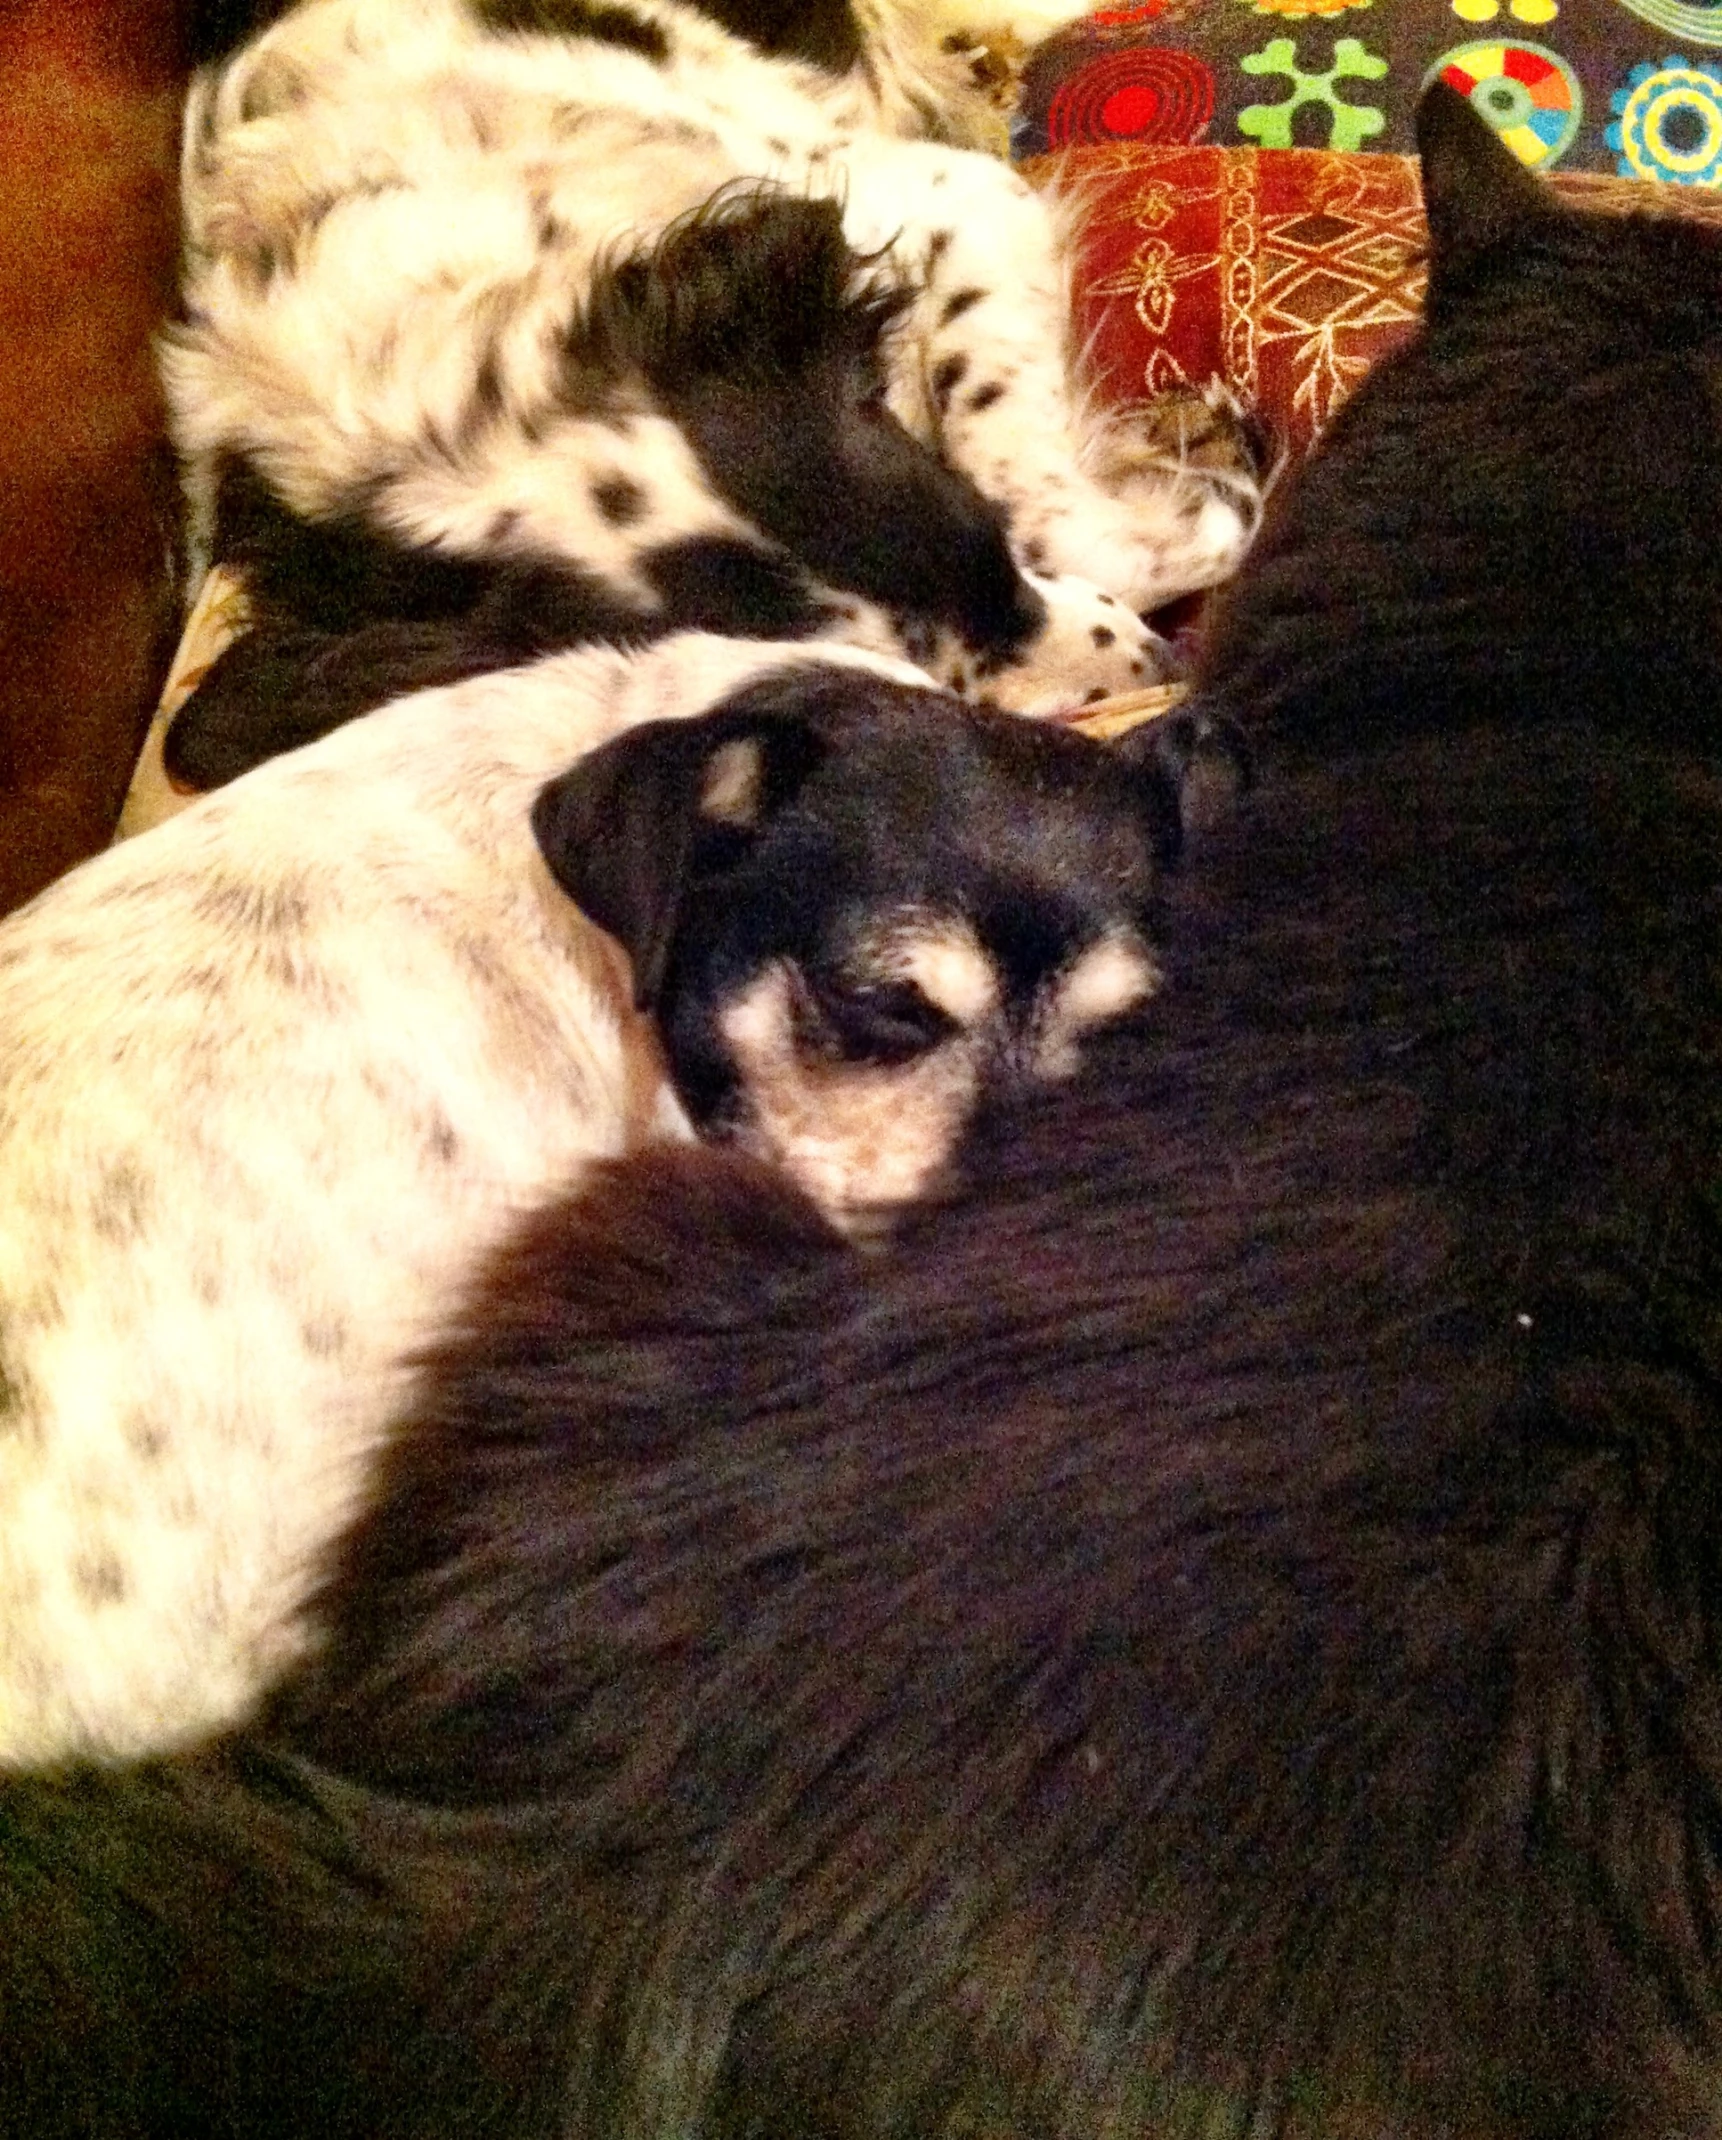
(757, 328)
(854, 905)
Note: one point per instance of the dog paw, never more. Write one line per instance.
(1191, 467)
(1166, 501)
(1203, 435)
(1090, 647)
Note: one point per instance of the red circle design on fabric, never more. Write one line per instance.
(1130, 111)
(1148, 93)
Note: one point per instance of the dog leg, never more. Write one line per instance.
(983, 371)
(1089, 646)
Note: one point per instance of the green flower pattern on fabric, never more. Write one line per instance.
(1351, 125)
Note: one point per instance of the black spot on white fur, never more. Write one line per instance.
(620, 500)
(948, 375)
(602, 21)
(11, 1394)
(146, 1437)
(123, 1200)
(101, 1579)
(825, 33)
(324, 1337)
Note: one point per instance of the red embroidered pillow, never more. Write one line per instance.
(1288, 272)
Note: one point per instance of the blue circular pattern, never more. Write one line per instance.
(1668, 123)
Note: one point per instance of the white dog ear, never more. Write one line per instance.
(624, 830)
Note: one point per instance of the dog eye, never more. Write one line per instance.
(889, 1022)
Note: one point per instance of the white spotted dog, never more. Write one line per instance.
(272, 1077)
(510, 324)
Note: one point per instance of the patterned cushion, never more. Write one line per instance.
(1287, 272)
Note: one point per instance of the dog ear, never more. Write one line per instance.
(1476, 193)
(625, 829)
(1200, 762)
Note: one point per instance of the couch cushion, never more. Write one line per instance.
(1287, 272)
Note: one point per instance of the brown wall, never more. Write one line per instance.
(89, 94)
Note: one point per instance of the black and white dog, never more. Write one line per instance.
(513, 325)
(1218, 1633)
(272, 1076)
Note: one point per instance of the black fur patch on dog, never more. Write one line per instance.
(601, 20)
(754, 326)
(825, 33)
(711, 584)
(760, 332)
(281, 685)
(214, 28)
(338, 573)
(347, 620)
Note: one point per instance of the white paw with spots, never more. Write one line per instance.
(1092, 646)
(1150, 542)
(1184, 472)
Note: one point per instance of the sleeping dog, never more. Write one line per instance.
(1216, 1633)
(271, 1075)
(509, 326)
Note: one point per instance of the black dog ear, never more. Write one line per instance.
(1475, 190)
(623, 829)
(1200, 761)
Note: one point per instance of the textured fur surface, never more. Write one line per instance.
(271, 1076)
(509, 326)
(1215, 1634)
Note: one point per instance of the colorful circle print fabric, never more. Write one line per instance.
(1630, 87)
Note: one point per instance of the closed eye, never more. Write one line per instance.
(883, 1022)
